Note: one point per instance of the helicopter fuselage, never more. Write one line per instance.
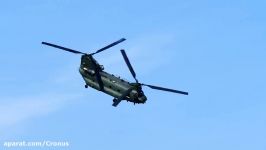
(112, 85)
(94, 77)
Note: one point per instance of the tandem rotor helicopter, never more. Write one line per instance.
(94, 77)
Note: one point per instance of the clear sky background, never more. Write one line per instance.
(215, 50)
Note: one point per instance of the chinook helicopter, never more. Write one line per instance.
(94, 77)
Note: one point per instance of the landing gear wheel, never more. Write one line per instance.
(114, 99)
(86, 86)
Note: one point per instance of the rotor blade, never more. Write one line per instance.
(129, 64)
(108, 46)
(97, 73)
(119, 99)
(99, 79)
(63, 48)
(165, 89)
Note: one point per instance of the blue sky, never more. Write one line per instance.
(215, 50)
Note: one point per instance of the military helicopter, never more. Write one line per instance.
(94, 77)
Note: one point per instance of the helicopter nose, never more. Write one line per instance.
(142, 99)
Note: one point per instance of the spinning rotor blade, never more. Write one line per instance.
(63, 48)
(108, 46)
(165, 89)
(99, 80)
(129, 64)
(97, 73)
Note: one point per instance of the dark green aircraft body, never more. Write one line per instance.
(94, 77)
(112, 85)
